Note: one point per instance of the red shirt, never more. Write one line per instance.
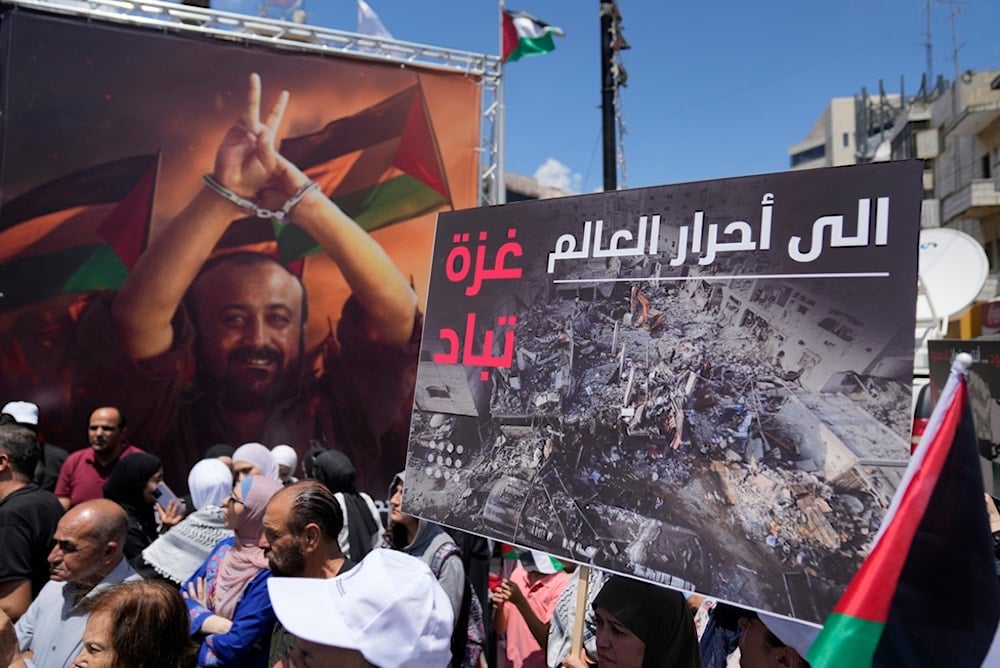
(523, 651)
(82, 478)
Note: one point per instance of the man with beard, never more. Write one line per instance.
(239, 321)
(301, 525)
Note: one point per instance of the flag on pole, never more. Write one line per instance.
(928, 594)
(524, 35)
(369, 22)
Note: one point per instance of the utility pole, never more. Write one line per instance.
(609, 16)
(928, 49)
(613, 77)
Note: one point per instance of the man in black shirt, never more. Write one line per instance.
(50, 458)
(28, 518)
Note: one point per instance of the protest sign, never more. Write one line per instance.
(705, 385)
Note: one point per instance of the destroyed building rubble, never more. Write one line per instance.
(725, 436)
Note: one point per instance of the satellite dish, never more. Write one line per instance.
(953, 269)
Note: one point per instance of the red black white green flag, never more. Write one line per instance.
(78, 233)
(928, 594)
(381, 165)
(524, 35)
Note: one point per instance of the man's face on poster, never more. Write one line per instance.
(249, 320)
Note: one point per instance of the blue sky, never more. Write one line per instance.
(716, 88)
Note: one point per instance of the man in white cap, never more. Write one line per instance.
(768, 640)
(50, 458)
(388, 612)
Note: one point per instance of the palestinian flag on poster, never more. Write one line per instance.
(77, 233)
(928, 593)
(380, 166)
(524, 35)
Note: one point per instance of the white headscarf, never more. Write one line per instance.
(285, 456)
(259, 456)
(210, 482)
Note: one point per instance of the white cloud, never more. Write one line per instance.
(554, 174)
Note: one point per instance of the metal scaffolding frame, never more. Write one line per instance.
(286, 35)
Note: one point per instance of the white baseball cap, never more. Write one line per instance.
(23, 412)
(797, 634)
(389, 607)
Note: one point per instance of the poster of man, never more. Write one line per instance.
(229, 243)
(705, 385)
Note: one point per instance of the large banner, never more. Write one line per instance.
(984, 396)
(705, 385)
(105, 221)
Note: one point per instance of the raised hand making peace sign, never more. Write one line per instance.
(247, 157)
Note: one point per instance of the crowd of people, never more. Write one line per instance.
(103, 566)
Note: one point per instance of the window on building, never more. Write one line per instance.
(847, 139)
(808, 155)
(987, 172)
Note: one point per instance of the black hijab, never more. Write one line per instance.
(125, 486)
(659, 616)
(309, 460)
(335, 470)
(219, 450)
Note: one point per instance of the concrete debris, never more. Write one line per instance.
(672, 430)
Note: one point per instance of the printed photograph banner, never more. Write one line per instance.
(984, 396)
(705, 385)
(106, 133)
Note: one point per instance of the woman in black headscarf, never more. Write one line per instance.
(640, 625)
(309, 460)
(131, 486)
(362, 525)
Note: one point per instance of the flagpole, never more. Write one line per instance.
(500, 195)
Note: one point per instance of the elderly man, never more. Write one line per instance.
(388, 610)
(301, 525)
(240, 318)
(86, 557)
(28, 517)
(85, 471)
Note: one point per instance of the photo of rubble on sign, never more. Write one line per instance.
(648, 382)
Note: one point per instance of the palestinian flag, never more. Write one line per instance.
(543, 563)
(524, 35)
(380, 166)
(77, 233)
(928, 594)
